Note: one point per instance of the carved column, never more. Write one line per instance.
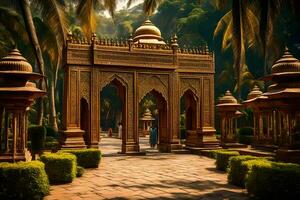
(72, 135)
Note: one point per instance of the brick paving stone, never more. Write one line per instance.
(155, 176)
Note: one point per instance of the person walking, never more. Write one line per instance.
(153, 137)
(120, 130)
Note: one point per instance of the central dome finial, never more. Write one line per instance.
(148, 33)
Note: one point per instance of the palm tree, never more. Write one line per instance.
(239, 26)
(52, 13)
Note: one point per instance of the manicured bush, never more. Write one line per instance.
(60, 167)
(222, 159)
(213, 153)
(246, 139)
(50, 132)
(86, 158)
(237, 172)
(37, 136)
(79, 171)
(23, 180)
(270, 180)
(245, 131)
(51, 143)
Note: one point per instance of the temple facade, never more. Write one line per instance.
(143, 64)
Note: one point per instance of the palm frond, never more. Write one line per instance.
(223, 22)
(87, 16)
(53, 13)
(150, 6)
(110, 5)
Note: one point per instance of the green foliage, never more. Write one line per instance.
(37, 136)
(60, 167)
(23, 180)
(87, 158)
(270, 180)
(237, 172)
(51, 143)
(182, 133)
(246, 131)
(50, 132)
(79, 171)
(246, 139)
(222, 158)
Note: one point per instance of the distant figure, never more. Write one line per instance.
(153, 137)
(110, 132)
(120, 131)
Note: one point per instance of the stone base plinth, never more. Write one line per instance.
(201, 139)
(233, 145)
(72, 139)
(288, 155)
(169, 147)
(130, 148)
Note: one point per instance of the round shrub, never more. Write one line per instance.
(23, 180)
(86, 158)
(79, 171)
(60, 167)
(37, 136)
(270, 180)
(222, 159)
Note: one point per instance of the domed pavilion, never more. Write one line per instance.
(277, 111)
(17, 93)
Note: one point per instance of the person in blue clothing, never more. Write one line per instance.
(153, 137)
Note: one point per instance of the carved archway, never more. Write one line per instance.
(152, 83)
(121, 87)
(85, 120)
(190, 107)
(162, 118)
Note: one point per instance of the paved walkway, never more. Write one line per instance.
(156, 176)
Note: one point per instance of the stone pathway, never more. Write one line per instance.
(156, 176)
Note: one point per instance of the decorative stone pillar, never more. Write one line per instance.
(228, 108)
(17, 93)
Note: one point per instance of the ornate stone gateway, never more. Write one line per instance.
(143, 64)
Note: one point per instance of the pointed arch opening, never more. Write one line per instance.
(157, 104)
(188, 113)
(113, 117)
(85, 120)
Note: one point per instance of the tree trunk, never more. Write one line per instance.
(52, 110)
(29, 24)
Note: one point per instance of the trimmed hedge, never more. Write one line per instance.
(246, 139)
(79, 171)
(23, 180)
(237, 172)
(60, 167)
(222, 158)
(246, 131)
(50, 132)
(37, 136)
(86, 158)
(270, 180)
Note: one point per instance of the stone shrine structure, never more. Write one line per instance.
(277, 111)
(17, 93)
(228, 108)
(146, 121)
(143, 64)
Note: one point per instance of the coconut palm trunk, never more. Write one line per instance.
(29, 24)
